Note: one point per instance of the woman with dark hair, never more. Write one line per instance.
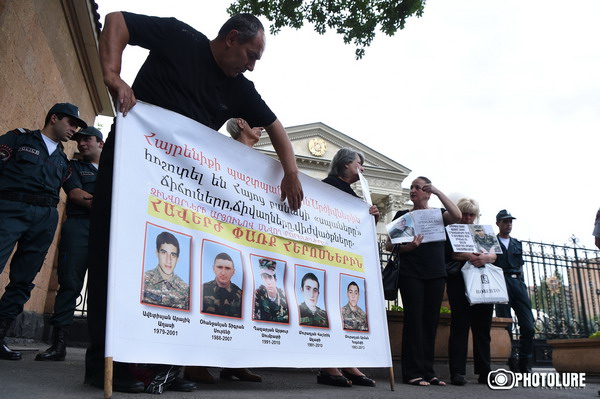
(343, 171)
(477, 317)
(422, 278)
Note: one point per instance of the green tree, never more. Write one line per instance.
(356, 20)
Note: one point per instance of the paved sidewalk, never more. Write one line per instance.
(28, 379)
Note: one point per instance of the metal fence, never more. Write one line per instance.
(564, 288)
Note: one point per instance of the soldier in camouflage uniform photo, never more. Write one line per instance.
(310, 313)
(353, 316)
(161, 285)
(221, 296)
(485, 243)
(270, 303)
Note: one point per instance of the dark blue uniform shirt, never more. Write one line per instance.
(511, 260)
(82, 175)
(26, 166)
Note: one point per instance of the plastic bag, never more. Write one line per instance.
(484, 284)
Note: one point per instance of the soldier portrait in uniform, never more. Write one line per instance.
(221, 296)
(485, 241)
(310, 289)
(270, 303)
(162, 285)
(353, 316)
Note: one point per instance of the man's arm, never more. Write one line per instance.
(113, 39)
(81, 197)
(291, 188)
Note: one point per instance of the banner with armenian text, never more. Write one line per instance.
(208, 267)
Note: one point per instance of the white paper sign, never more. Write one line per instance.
(473, 238)
(364, 186)
(426, 222)
(208, 267)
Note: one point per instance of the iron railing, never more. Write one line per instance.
(564, 288)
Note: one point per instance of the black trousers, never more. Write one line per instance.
(72, 265)
(464, 316)
(98, 262)
(32, 227)
(520, 302)
(421, 300)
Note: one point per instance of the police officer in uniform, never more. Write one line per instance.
(73, 247)
(310, 313)
(221, 296)
(33, 167)
(270, 303)
(511, 262)
(161, 285)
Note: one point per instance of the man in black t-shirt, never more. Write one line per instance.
(196, 77)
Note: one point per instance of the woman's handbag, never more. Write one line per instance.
(389, 275)
(484, 284)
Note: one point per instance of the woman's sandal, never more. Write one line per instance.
(335, 380)
(437, 381)
(419, 382)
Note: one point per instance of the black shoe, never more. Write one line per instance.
(359, 379)
(513, 364)
(240, 374)
(458, 379)
(524, 365)
(483, 378)
(181, 385)
(126, 385)
(56, 352)
(335, 380)
(8, 354)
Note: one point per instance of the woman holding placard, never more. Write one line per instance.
(422, 278)
(477, 317)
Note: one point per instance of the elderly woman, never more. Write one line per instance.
(241, 131)
(343, 171)
(422, 279)
(477, 317)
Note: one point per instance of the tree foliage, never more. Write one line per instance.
(356, 20)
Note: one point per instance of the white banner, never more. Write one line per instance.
(208, 267)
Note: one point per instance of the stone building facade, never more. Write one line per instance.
(49, 54)
(315, 144)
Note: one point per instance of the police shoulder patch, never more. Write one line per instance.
(5, 152)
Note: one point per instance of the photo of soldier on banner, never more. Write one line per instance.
(353, 296)
(222, 280)
(270, 299)
(166, 268)
(310, 296)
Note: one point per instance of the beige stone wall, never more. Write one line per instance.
(39, 67)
